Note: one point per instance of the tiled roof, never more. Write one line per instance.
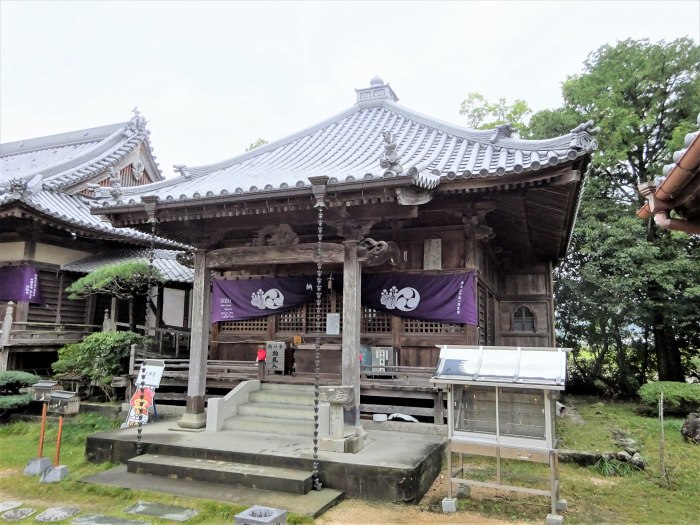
(164, 260)
(73, 210)
(356, 145)
(69, 158)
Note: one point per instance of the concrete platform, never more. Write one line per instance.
(393, 466)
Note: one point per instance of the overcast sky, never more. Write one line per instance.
(211, 77)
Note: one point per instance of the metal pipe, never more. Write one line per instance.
(43, 428)
(58, 441)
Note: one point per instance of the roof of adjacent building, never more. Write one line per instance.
(66, 159)
(164, 260)
(41, 173)
(678, 189)
(376, 138)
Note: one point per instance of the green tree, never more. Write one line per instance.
(628, 293)
(97, 358)
(123, 280)
(482, 114)
(256, 144)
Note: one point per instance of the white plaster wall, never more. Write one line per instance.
(57, 254)
(12, 251)
(173, 306)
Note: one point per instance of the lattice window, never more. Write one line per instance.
(417, 326)
(259, 324)
(293, 320)
(375, 322)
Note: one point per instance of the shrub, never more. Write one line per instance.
(97, 358)
(677, 396)
(10, 384)
(12, 380)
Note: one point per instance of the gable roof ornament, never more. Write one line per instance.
(137, 124)
(389, 161)
(502, 131)
(582, 139)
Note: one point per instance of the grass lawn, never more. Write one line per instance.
(640, 497)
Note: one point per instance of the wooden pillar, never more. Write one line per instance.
(351, 330)
(471, 261)
(194, 416)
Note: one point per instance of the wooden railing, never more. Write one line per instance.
(166, 341)
(39, 333)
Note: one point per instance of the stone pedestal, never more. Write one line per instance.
(351, 441)
(193, 421)
(37, 466)
(342, 438)
(54, 474)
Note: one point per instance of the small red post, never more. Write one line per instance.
(58, 440)
(262, 356)
(43, 427)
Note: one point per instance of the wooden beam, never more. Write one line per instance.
(246, 256)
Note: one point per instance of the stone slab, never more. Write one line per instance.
(312, 504)
(98, 519)
(17, 514)
(57, 514)
(158, 510)
(8, 505)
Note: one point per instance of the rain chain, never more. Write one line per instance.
(317, 353)
(147, 324)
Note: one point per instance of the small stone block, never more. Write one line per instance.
(449, 505)
(37, 466)
(561, 505)
(257, 515)
(7, 505)
(54, 474)
(554, 519)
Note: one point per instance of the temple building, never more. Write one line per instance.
(49, 238)
(412, 231)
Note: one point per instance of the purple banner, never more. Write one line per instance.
(445, 298)
(236, 300)
(19, 283)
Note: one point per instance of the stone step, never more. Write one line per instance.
(282, 397)
(277, 411)
(313, 503)
(267, 425)
(224, 472)
(288, 387)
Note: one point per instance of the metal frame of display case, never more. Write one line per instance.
(525, 374)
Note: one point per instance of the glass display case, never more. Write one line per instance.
(501, 404)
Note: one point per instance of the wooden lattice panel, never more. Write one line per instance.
(375, 322)
(326, 308)
(416, 326)
(293, 320)
(258, 324)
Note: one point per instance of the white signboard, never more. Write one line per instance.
(333, 324)
(274, 360)
(151, 373)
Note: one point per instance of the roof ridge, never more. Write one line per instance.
(39, 143)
